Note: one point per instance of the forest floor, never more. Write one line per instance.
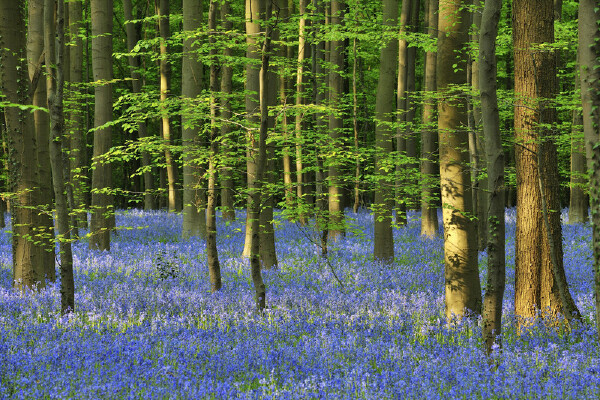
(147, 326)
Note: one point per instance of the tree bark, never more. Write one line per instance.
(539, 272)
(429, 218)
(28, 269)
(133, 37)
(102, 199)
(194, 195)
(496, 276)
(227, 199)
(384, 108)
(578, 198)
(463, 290)
(589, 73)
(55, 74)
(336, 226)
(212, 254)
(35, 48)
(162, 11)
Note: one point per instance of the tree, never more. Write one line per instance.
(540, 282)
(54, 69)
(463, 290)
(28, 269)
(589, 73)
(336, 124)
(36, 55)
(429, 218)
(133, 37)
(101, 221)
(194, 203)
(384, 108)
(162, 11)
(494, 292)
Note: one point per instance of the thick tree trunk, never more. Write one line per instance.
(55, 74)
(133, 37)
(384, 108)
(463, 290)
(496, 276)
(227, 199)
(162, 11)
(589, 72)
(28, 269)
(35, 48)
(336, 224)
(429, 218)
(212, 255)
(102, 200)
(539, 273)
(194, 195)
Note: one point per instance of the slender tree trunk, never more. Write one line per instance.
(463, 290)
(578, 199)
(355, 125)
(133, 37)
(55, 73)
(336, 225)
(401, 113)
(212, 255)
(28, 269)
(78, 149)
(539, 273)
(35, 48)
(302, 49)
(589, 73)
(227, 199)
(384, 108)
(286, 52)
(429, 218)
(194, 195)
(496, 276)
(162, 11)
(102, 200)
(253, 8)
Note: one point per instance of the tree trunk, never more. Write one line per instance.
(401, 113)
(102, 199)
(336, 224)
(302, 49)
(133, 37)
(589, 73)
(227, 199)
(28, 269)
(384, 108)
(212, 255)
(538, 261)
(162, 11)
(55, 74)
(194, 195)
(429, 218)
(463, 290)
(578, 198)
(496, 276)
(35, 48)
(78, 149)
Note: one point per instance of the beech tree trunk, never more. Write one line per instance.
(194, 195)
(384, 108)
(578, 198)
(463, 290)
(102, 199)
(589, 73)
(496, 276)
(133, 37)
(55, 74)
(35, 48)
(302, 50)
(28, 269)
(429, 218)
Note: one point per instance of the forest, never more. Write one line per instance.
(299, 199)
